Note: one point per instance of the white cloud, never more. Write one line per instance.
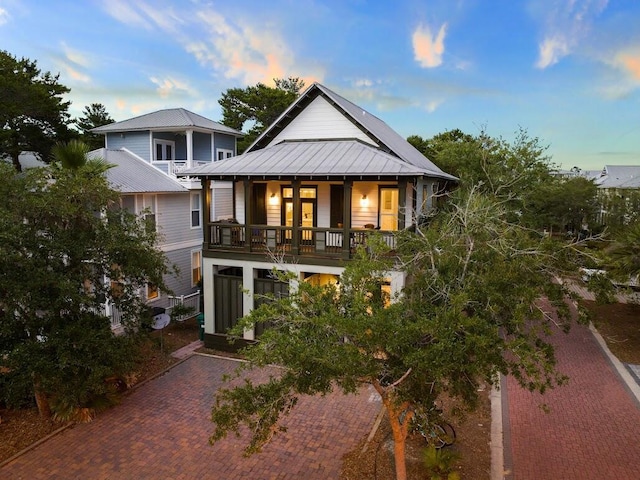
(125, 12)
(427, 47)
(74, 64)
(4, 16)
(246, 52)
(551, 50)
(168, 86)
(565, 24)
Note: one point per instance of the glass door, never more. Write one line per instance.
(389, 208)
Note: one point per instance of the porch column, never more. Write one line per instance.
(208, 271)
(402, 204)
(206, 211)
(189, 148)
(248, 220)
(248, 276)
(346, 216)
(297, 218)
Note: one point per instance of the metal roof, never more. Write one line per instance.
(371, 125)
(173, 118)
(132, 174)
(619, 176)
(314, 158)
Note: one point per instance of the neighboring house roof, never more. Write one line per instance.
(27, 160)
(132, 174)
(327, 158)
(619, 176)
(169, 119)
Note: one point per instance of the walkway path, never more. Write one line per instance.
(161, 431)
(593, 428)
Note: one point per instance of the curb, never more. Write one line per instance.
(625, 376)
(497, 439)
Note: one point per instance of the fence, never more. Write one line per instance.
(192, 302)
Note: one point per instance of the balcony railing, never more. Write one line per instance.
(328, 242)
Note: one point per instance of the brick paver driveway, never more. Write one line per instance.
(593, 428)
(161, 431)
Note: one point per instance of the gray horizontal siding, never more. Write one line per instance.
(174, 219)
(202, 147)
(135, 142)
(227, 142)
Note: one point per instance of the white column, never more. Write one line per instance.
(189, 148)
(208, 270)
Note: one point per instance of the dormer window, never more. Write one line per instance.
(164, 149)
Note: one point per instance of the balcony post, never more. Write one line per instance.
(248, 201)
(206, 211)
(346, 226)
(297, 218)
(189, 140)
(402, 204)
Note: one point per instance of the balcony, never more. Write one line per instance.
(328, 243)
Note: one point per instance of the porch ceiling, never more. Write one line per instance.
(314, 158)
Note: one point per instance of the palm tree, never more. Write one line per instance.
(74, 156)
(624, 253)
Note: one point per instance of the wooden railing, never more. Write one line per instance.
(311, 240)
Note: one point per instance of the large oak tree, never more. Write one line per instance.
(33, 112)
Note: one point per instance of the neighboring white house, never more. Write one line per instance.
(311, 188)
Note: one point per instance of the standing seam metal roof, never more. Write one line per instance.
(132, 174)
(167, 119)
(328, 158)
(370, 124)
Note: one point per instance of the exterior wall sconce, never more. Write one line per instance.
(364, 201)
(273, 199)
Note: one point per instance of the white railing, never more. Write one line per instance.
(190, 301)
(114, 314)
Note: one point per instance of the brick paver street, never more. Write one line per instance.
(593, 428)
(161, 431)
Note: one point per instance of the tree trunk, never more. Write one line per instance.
(399, 440)
(399, 418)
(43, 402)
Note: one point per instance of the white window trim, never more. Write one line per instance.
(141, 204)
(146, 291)
(199, 251)
(226, 153)
(191, 210)
(161, 141)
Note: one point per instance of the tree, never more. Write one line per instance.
(469, 311)
(509, 171)
(94, 115)
(258, 105)
(563, 204)
(66, 247)
(33, 115)
(624, 254)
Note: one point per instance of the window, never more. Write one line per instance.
(196, 267)
(224, 153)
(147, 204)
(195, 210)
(164, 149)
(152, 291)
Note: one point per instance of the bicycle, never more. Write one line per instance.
(439, 435)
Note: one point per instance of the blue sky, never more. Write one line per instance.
(566, 71)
